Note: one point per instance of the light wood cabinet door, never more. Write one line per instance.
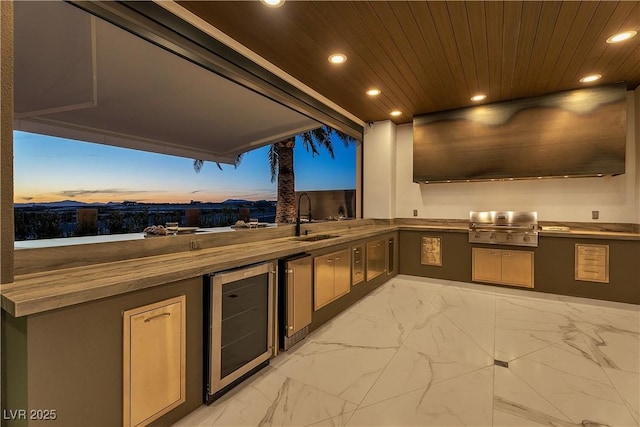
(323, 281)
(487, 265)
(342, 273)
(154, 349)
(517, 268)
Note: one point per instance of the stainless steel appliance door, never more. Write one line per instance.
(299, 288)
(241, 323)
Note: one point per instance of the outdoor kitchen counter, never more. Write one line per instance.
(49, 290)
(592, 234)
(588, 234)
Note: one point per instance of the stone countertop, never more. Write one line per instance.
(591, 234)
(106, 238)
(571, 233)
(49, 290)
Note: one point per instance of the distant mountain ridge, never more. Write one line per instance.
(59, 204)
(78, 204)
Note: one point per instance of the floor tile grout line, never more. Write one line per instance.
(622, 399)
(542, 396)
(391, 359)
(493, 385)
(561, 344)
(346, 311)
(425, 387)
(547, 345)
(469, 336)
(376, 380)
(317, 388)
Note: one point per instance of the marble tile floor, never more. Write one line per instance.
(420, 352)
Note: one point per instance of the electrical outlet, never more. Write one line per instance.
(595, 214)
(194, 244)
(415, 212)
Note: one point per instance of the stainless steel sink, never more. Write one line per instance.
(314, 237)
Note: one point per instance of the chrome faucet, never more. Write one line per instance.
(298, 217)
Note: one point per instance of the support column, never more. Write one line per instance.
(6, 141)
(379, 185)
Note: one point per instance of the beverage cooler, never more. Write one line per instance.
(239, 323)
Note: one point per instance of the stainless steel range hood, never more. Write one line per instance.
(569, 134)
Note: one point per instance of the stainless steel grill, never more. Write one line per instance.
(504, 228)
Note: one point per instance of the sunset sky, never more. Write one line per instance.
(52, 169)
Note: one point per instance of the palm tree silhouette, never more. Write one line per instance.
(281, 165)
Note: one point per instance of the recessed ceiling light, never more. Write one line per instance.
(338, 58)
(374, 92)
(396, 113)
(591, 78)
(620, 37)
(272, 3)
(479, 97)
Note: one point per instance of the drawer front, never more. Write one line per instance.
(592, 263)
(592, 250)
(592, 273)
(592, 260)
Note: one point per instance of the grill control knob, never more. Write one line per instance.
(526, 238)
(477, 235)
(493, 235)
(509, 236)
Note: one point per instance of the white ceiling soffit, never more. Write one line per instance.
(82, 78)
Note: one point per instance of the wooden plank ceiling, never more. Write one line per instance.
(433, 56)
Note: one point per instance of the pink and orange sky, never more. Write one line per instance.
(50, 169)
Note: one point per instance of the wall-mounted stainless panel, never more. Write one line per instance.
(574, 133)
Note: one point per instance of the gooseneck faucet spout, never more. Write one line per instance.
(298, 217)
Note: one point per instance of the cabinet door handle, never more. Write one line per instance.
(337, 258)
(329, 260)
(293, 291)
(149, 319)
